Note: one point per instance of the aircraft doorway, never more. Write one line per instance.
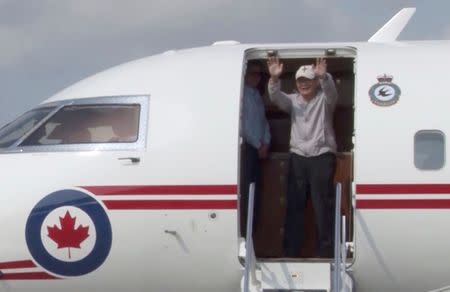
(269, 228)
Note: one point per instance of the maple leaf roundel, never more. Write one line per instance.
(68, 233)
(61, 233)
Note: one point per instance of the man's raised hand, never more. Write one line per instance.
(320, 69)
(275, 67)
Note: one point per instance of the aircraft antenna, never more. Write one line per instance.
(390, 31)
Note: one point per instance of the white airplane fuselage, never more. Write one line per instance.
(164, 209)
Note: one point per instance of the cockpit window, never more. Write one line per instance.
(81, 124)
(15, 130)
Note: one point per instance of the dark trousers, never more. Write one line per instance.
(312, 175)
(251, 173)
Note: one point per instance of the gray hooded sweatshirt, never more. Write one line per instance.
(312, 132)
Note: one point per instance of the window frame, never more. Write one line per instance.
(430, 131)
(32, 129)
(140, 143)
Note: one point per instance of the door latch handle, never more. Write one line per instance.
(132, 159)
(172, 232)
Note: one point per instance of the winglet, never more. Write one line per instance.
(390, 31)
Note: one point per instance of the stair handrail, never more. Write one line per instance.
(337, 241)
(250, 257)
(343, 246)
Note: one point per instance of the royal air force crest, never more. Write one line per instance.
(385, 92)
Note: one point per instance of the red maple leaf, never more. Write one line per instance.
(68, 236)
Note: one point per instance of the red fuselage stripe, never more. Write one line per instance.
(17, 265)
(28, 276)
(163, 190)
(403, 204)
(169, 204)
(402, 189)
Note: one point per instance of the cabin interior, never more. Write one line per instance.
(268, 234)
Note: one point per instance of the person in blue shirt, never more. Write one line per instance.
(255, 133)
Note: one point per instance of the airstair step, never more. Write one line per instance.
(286, 276)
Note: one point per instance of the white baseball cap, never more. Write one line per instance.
(306, 71)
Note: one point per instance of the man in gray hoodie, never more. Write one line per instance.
(312, 160)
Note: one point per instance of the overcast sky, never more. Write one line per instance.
(47, 45)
